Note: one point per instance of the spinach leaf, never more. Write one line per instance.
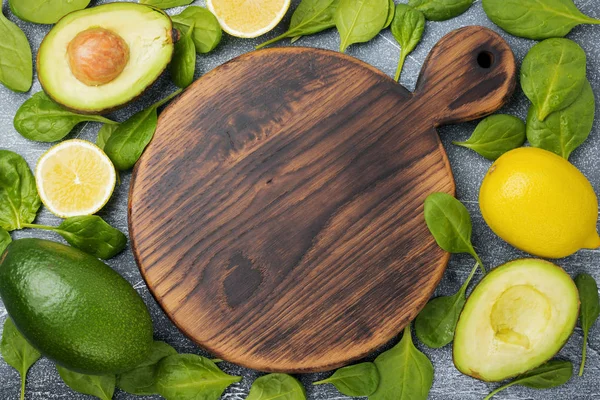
(101, 386)
(359, 21)
(164, 4)
(142, 379)
(565, 130)
(276, 386)
(17, 352)
(536, 19)
(206, 30)
(92, 234)
(127, 143)
(407, 27)
(191, 377)
(41, 119)
(391, 13)
(495, 135)
(89, 233)
(19, 199)
(45, 11)
(441, 10)
(553, 75)
(104, 133)
(355, 380)
(311, 16)
(589, 311)
(436, 323)
(450, 224)
(405, 373)
(183, 65)
(551, 374)
(5, 240)
(16, 64)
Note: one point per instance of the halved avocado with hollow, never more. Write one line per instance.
(99, 59)
(519, 316)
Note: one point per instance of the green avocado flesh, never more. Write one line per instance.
(73, 308)
(519, 316)
(146, 31)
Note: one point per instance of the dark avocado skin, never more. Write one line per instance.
(73, 308)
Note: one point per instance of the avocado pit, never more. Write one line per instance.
(97, 56)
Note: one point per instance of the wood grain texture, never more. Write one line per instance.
(277, 216)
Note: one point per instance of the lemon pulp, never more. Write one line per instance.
(248, 18)
(75, 178)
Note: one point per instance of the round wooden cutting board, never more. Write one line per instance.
(277, 216)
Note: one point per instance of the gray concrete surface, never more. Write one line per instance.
(469, 169)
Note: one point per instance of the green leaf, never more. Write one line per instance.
(5, 240)
(276, 387)
(164, 4)
(45, 11)
(100, 386)
(405, 373)
(93, 235)
(553, 74)
(89, 233)
(206, 32)
(450, 224)
(589, 310)
(536, 19)
(564, 130)
(436, 323)
(183, 65)
(17, 352)
(495, 135)
(407, 27)
(441, 10)
(391, 13)
(311, 16)
(19, 199)
(104, 133)
(142, 379)
(127, 143)
(16, 59)
(191, 377)
(41, 119)
(355, 380)
(548, 375)
(359, 21)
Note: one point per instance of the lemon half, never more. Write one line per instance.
(248, 18)
(540, 203)
(75, 178)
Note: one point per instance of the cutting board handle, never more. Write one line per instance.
(469, 73)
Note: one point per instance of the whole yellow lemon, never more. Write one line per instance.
(540, 203)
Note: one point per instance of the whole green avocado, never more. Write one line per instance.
(74, 308)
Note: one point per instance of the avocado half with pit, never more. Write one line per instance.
(519, 316)
(99, 59)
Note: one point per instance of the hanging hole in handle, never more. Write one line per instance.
(485, 59)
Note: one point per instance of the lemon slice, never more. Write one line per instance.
(75, 178)
(248, 18)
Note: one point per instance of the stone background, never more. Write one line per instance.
(468, 167)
